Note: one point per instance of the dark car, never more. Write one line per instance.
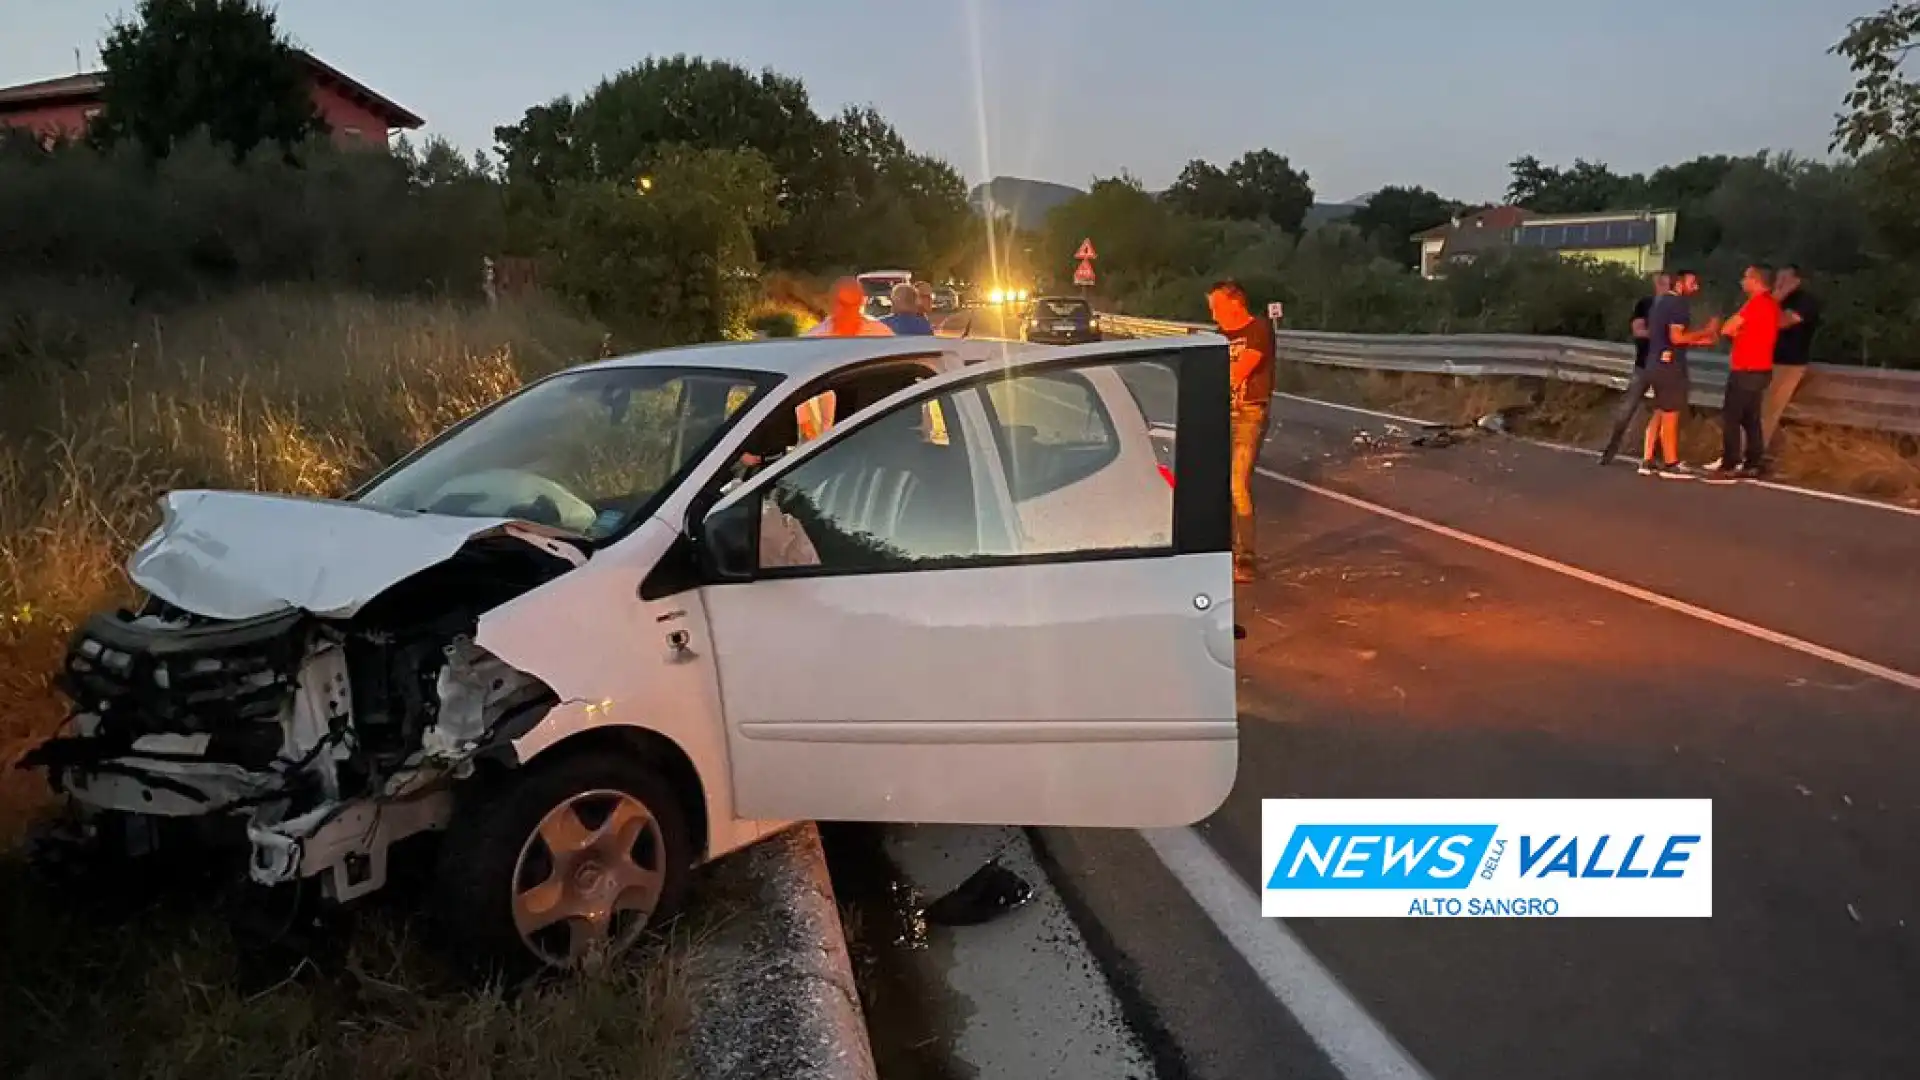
(1061, 320)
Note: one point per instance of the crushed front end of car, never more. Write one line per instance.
(305, 744)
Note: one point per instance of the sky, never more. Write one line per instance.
(1439, 93)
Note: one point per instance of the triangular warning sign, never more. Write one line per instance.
(1086, 250)
(1083, 274)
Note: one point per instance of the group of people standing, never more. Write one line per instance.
(1771, 337)
(847, 315)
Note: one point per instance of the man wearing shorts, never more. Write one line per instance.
(1669, 335)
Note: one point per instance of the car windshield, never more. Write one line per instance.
(586, 451)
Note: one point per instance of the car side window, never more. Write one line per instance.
(897, 494)
(1052, 431)
(1085, 475)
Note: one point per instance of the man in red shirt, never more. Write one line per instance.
(1753, 330)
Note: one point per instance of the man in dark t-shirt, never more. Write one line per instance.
(1670, 333)
(1637, 384)
(1250, 352)
(1792, 349)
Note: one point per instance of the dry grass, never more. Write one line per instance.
(170, 993)
(289, 392)
(1852, 462)
(275, 391)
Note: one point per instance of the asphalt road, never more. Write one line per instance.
(1386, 660)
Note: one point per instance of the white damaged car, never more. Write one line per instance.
(647, 611)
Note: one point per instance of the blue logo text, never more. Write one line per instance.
(1381, 856)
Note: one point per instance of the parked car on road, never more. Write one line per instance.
(1061, 320)
(625, 621)
(878, 287)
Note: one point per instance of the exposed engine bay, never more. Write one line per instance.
(318, 742)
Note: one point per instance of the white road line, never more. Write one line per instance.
(1728, 622)
(1351, 1038)
(1814, 493)
(1357, 409)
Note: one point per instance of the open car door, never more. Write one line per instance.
(1019, 619)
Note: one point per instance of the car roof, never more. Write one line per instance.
(808, 358)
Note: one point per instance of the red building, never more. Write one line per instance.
(60, 108)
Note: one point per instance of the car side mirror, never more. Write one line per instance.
(728, 542)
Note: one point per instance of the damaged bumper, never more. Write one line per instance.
(318, 744)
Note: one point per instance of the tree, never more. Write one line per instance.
(1880, 127)
(1143, 241)
(1883, 108)
(906, 209)
(1586, 187)
(849, 188)
(1685, 189)
(220, 65)
(672, 260)
(1393, 214)
(682, 101)
(1270, 188)
(1203, 191)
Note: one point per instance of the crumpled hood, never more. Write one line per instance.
(238, 555)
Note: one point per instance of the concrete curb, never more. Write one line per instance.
(778, 998)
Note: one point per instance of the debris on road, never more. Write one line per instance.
(990, 892)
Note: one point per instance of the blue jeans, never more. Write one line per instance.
(1249, 432)
(1635, 396)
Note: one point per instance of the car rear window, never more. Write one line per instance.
(1065, 309)
(1053, 431)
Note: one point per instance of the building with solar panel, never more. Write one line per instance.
(1635, 239)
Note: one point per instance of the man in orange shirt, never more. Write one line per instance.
(1753, 330)
(1250, 356)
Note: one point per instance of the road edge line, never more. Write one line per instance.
(1356, 1044)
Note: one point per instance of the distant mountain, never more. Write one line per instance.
(1325, 213)
(1029, 201)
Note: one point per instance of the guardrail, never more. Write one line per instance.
(1873, 398)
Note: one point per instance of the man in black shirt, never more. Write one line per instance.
(1636, 390)
(1799, 321)
(1250, 352)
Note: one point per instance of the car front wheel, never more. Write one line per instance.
(567, 862)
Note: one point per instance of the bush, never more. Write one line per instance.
(92, 239)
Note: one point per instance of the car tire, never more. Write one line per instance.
(490, 861)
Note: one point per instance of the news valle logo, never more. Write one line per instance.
(1505, 858)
